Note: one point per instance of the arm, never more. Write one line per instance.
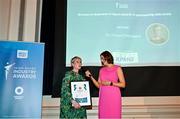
(121, 82)
(95, 82)
(66, 96)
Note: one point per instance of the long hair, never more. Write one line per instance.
(108, 57)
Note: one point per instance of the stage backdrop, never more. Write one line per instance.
(136, 32)
(88, 27)
(21, 77)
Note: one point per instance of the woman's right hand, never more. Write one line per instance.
(88, 73)
(75, 104)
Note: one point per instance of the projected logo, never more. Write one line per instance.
(8, 69)
(157, 33)
(125, 57)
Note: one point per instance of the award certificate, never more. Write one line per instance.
(81, 92)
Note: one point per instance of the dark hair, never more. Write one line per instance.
(108, 57)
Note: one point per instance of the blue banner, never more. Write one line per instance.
(21, 79)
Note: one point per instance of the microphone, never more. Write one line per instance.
(90, 75)
(83, 70)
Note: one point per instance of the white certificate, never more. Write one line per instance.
(81, 92)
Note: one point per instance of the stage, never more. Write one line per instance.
(166, 107)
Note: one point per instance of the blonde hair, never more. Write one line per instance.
(74, 58)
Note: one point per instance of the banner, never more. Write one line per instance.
(21, 79)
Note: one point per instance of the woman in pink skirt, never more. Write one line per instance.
(110, 80)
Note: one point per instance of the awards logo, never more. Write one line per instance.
(22, 54)
(7, 68)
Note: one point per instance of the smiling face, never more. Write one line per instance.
(106, 58)
(76, 63)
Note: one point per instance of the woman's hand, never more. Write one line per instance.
(105, 83)
(88, 73)
(75, 104)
